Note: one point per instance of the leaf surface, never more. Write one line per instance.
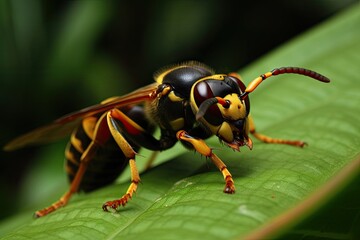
(277, 186)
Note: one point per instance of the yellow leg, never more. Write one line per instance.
(100, 135)
(200, 146)
(267, 139)
(135, 179)
(66, 197)
(129, 154)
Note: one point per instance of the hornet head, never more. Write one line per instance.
(217, 104)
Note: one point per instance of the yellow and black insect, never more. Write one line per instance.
(188, 102)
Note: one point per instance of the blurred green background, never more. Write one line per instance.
(59, 56)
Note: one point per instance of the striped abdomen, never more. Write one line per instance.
(108, 162)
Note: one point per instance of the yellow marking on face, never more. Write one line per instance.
(225, 132)
(236, 110)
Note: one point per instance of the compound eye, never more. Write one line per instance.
(236, 83)
(202, 92)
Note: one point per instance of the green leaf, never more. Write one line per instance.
(277, 186)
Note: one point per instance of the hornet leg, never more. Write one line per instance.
(267, 139)
(121, 126)
(200, 146)
(115, 129)
(101, 135)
